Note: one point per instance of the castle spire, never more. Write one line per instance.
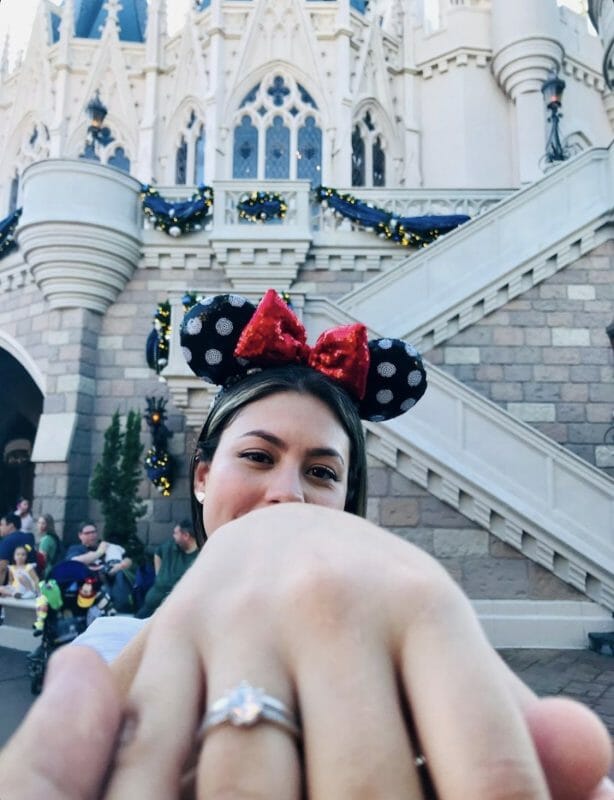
(113, 7)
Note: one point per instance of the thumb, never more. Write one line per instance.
(78, 714)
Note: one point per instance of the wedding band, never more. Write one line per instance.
(244, 706)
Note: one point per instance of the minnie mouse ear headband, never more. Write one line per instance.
(225, 337)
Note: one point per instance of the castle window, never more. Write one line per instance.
(199, 157)
(245, 162)
(277, 134)
(368, 152)
(358, 158)
(379, 164)
(277, 151)
(190, 153)
(309, 152)
(181, 160)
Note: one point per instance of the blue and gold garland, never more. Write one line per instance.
(261, 206)
(157, 345)
(7, 232)
(407, 231)
(177, 218)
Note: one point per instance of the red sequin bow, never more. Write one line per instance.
(275, 336)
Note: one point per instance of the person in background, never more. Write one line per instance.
(23, 580)
(49, 543)
(23, 512)
(107, 560)
(171, 560)
(11, 536)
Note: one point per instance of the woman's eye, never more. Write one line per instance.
(257, 456)
(324, 473)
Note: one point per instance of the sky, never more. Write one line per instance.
(16, 17)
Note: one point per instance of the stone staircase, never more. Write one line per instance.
(499, 472)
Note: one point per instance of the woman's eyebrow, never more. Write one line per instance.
(277, 442)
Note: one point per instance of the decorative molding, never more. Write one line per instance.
(462, 57)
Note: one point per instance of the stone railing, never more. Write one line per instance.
(481, 266)
(540, 499)
(305, 214)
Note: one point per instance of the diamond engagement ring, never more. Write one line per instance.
(244, 706)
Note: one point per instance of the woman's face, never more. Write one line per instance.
(285, 448)
(42, 524)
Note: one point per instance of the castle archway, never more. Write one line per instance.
(20, 410)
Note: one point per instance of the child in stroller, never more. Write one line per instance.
(71, 598)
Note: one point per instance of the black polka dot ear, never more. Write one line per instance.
(395, 382)
(209, 334)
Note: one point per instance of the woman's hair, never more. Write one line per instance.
(293, 378)
(50, 522)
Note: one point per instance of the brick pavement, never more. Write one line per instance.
(580, 674)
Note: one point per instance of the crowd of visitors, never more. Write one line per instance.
(29, 553)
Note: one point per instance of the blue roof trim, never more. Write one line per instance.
(91, 16)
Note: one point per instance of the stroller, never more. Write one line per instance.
(70, 600)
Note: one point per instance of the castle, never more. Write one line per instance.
(505, 471)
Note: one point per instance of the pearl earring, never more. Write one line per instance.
(200, 497)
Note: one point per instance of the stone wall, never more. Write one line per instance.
(485, 567)
(545, 357)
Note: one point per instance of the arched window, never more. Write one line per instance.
(181, 162)
(379, 163)
(190, 152)
(277, 132)
(368, 153)
(199, 157)
(277, 163)
(245, 157)
(120, 160)
(310, 152)
(358, 158)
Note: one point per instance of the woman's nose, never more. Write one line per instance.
(285, 487)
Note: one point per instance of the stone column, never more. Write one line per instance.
(525, 50)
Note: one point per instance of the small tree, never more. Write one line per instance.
(116, 481)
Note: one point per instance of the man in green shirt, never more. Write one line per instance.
(171, 559)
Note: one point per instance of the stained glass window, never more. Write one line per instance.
(245, 153)
(287, 118)
(277, 160)
(309, 165)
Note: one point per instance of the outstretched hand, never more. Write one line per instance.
(363, 633)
